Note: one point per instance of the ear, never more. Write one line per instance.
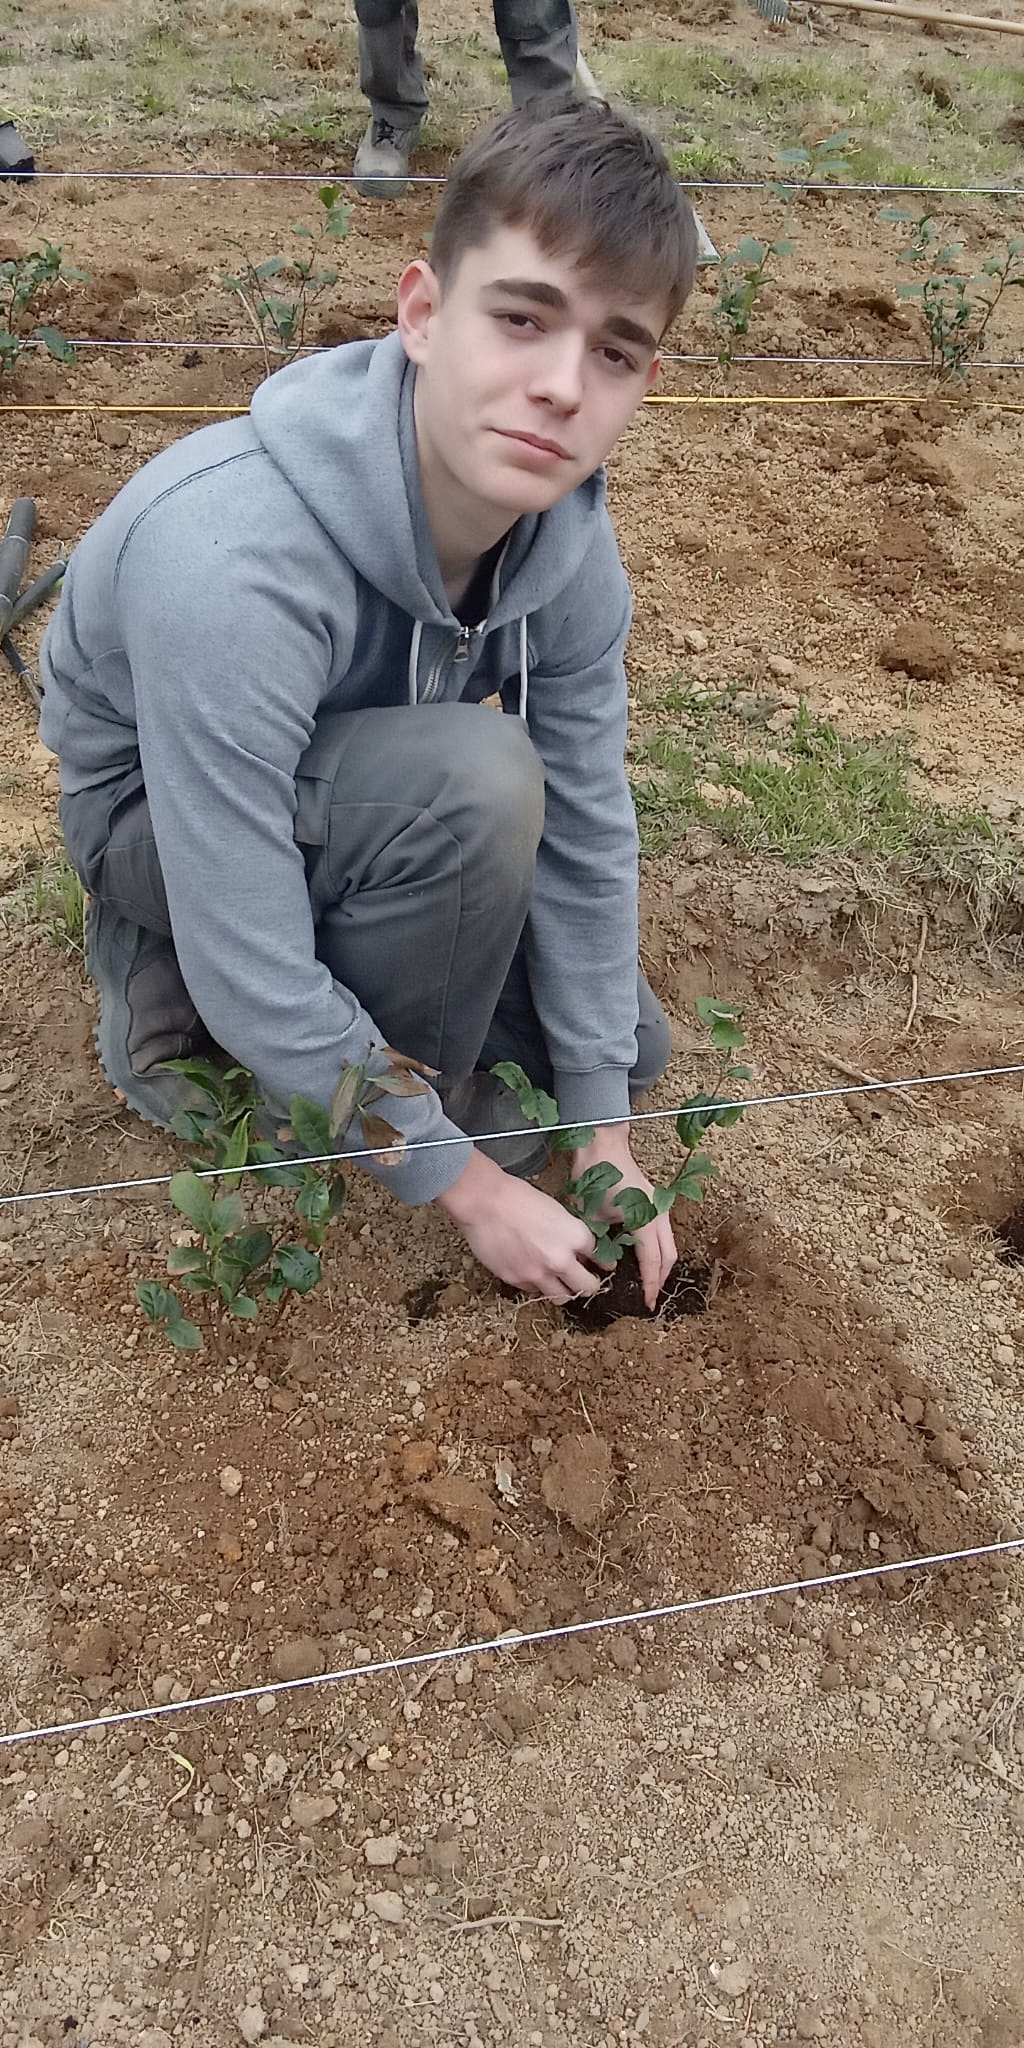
(653, 374)
(419, 295)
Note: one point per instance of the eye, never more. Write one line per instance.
(519, 321)
(618, 361)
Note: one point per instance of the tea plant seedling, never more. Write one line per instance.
(280, 316)
(22, 279)
(234, 1262)
(956, 309)
(814, 163)
(744, 277)
(586, 1195)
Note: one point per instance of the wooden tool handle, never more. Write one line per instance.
(944, 20)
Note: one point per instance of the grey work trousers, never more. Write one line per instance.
(419, 831)
(539, 43)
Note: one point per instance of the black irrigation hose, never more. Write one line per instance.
(14, 549)
(31, 598)
(23, 673)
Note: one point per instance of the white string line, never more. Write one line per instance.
(511, 1640)
(636, 1116)
(834, 188)
(667, 355)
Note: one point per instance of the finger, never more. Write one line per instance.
(580, 1279)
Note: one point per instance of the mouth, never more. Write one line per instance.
(543, 447)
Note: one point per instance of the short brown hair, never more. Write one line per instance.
(584, 180)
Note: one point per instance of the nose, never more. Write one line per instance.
(558, 372)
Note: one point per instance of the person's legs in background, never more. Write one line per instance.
(539, 43)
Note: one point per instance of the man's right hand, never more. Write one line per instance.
(523, 1236)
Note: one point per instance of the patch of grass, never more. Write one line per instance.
(809, 792)
(49, 896)
(700, 158)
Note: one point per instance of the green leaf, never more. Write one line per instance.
(54, 343)
(243, 1306)
(186, 1258)
(723, 1021)
(250, 1248)
(192, 1125)
(271, 268)
(608, 1249)
(314, 1202)
(202, 1074)
(157, 1302)
(688, 1185)
(634, 1208)
(296, 1268)
(575, 1139)
(184, 1335)
(594, 1182)
(311, 1125)
(192, 1197)
(535, 1103)
(228, 1214)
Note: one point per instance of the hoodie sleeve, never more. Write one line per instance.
(582, 936)
(229, 670)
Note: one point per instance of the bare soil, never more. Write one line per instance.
(798, 1819)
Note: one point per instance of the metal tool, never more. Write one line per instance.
(778, 11)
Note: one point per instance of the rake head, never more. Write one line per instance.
(771, 10)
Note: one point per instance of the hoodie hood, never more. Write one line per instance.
(328, 424)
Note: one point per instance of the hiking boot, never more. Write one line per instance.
(146, 1015)
(381, 167)
(481, 1103)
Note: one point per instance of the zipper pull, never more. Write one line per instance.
(462, 643)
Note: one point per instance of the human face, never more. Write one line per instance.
(528, 372)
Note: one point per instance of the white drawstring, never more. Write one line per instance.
(414, 660)
(524, 680)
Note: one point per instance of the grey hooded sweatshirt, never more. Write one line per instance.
(263, 571)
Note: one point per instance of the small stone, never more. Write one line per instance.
(154, 2037)
(382, 1851)
(623, 1653)
(113, 433)
(958, 1266)
(252, 2023)
(387, 1906)
(735, 1979)
(808, 2025)
(870, 1706)
(311, 1809)
(230, 1481)
(300, 1658)
(727, 1751)
(93, 1654)
(694, 641)
(779, 666)
(947, 1450)
(31, 1834)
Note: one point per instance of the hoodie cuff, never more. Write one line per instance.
(600, 1096)
(427, 1169)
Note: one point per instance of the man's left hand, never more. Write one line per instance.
(655, 1245)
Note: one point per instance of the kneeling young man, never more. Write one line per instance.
(304, 832)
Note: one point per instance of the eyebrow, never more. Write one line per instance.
(544, 294)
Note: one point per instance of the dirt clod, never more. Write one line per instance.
(577, 1482)
(920, 651)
